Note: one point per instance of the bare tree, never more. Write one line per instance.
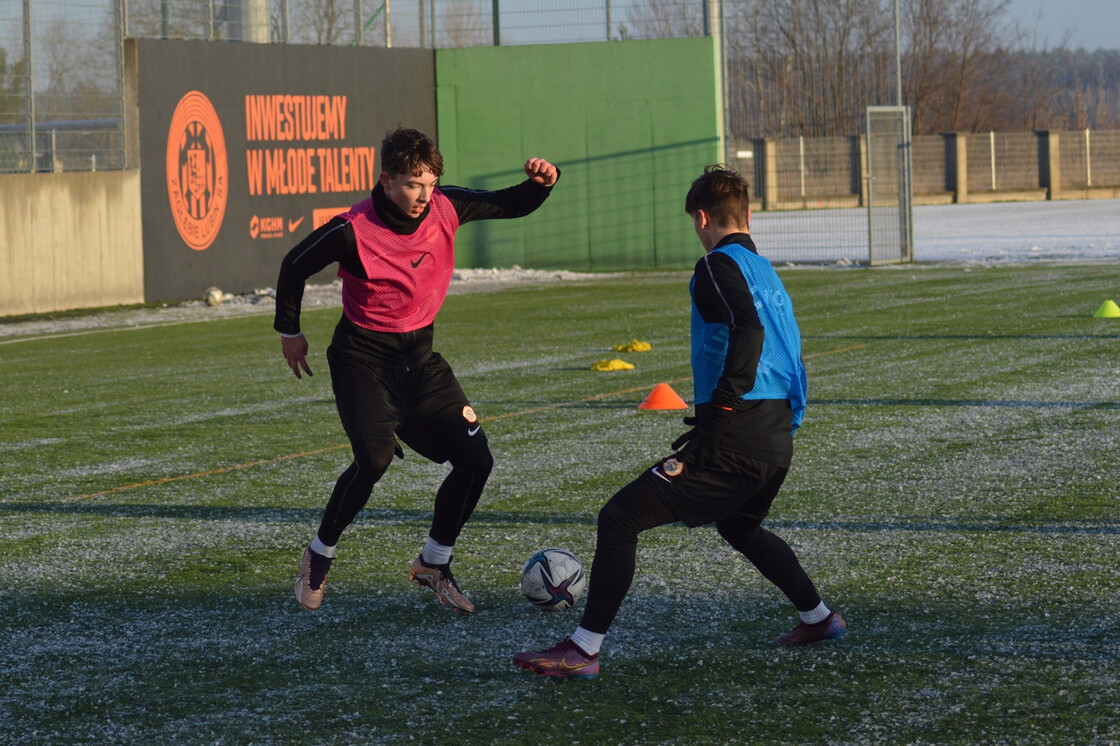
(464, 23)
(956, 54)
(807, 66)
(664, 19)
(322, 21)
(13, 89)
(1038, 80)
(171, 20)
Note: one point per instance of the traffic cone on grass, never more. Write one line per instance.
(1108, 310)
(663, 397)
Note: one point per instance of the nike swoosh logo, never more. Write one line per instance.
(471, 431)
(555, 665)
(416, 263)
(293, 224)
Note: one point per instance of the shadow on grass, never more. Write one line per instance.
(370, 517)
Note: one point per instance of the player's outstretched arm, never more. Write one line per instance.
(541, 171)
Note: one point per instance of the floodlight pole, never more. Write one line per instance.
(713, 19)
(27, 50)
(897, 58)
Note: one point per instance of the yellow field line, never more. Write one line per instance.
(561, 405)
(208, 472)
(330, 449)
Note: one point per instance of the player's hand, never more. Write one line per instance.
(541, 171)
(703, 444)
(686, 438)
(295, 352)
(710, 434)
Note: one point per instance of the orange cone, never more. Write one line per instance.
(663, 397)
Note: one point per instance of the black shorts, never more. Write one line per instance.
(423, 405)
(698, 495)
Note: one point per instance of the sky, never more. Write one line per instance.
(1093, 24)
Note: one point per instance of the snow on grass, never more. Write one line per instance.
(952, 494)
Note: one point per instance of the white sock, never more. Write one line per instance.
(588, 641)
(322, 549)
(816, 616)
(435, 553)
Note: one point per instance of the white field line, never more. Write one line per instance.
(106, 329)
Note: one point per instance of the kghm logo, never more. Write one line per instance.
(197, 172)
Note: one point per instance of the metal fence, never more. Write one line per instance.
(817, 169)
(61, 61)
(1090, 158)
(60, 86)
(1004, 161)
(61, 89)
(61, 70)
(930, 174)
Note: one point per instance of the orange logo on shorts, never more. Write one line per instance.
(469, 415)
(672, 467)
(197, 172)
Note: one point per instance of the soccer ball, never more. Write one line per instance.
(553, 579)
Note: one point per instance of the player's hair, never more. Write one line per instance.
(409, 151)
(722, 193)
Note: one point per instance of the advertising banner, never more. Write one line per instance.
(246, 148)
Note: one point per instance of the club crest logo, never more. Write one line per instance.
(197, 171)
(469, 415)
(672, 468)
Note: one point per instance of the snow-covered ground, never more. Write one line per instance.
(1082, 230)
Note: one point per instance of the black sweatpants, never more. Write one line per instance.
(736, 499)
(424, 405)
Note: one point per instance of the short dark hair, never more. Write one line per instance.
(409, 151)
(722, 193)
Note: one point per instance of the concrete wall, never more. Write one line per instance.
(70, 240)
(956, 167)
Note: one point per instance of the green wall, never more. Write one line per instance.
(629, 124)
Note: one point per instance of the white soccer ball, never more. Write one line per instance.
(553, 579)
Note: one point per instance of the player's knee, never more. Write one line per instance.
(374, 457)
(736, 530)
(615, 518)
(476, 459)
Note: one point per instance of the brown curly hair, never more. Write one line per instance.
(722, 193)
(409, 151)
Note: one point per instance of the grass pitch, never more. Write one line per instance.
(954, 494)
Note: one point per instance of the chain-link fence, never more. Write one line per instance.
(60, 86)
(817, 170)
(1003, 161)
(1090, 158)
(61, 70)
(61, 61)
(930, 176)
